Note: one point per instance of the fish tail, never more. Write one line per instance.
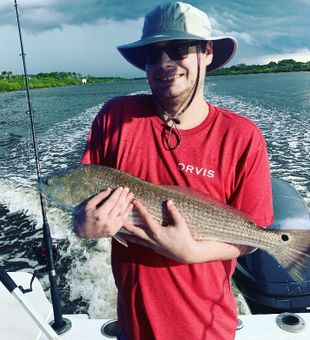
(294, 252)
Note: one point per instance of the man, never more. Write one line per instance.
(170, 286)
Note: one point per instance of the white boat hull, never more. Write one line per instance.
(16, 324)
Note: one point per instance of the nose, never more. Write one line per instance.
(164, 60)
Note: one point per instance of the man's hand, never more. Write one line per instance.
(104, 214)
(173, 241)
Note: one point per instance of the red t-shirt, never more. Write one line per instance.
(224, 157)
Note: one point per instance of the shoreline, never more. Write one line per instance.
(12, 83)
(285, 65)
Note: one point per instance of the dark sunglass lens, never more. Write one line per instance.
(177, 51)
(151, 55)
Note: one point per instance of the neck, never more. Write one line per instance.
(191, 117)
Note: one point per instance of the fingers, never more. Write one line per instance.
(124, 216)
(172, 241)
(144, 214)
(96, 200)
(114, 203)
(104, 214)
(136, 231)
(174, 212)
(137, 240)
(109, 201)
(138, 236)
(149, 220)
(153, 230)
(119, 202)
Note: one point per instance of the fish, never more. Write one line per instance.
(206, 218)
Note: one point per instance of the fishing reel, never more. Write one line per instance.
(41, 254)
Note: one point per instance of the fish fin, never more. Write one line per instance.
(119, 238)
(294, 254)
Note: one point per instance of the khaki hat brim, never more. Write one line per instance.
(223, 49)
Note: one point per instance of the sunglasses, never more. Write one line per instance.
(175, 51)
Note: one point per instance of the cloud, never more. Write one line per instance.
(262, 28)
(38, 16)
(259, 23)
(263, 22)
(243, 36)
(90, 49)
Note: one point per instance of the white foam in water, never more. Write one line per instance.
(139, 92)
(17, 195)
(91, 276)
(61, 142)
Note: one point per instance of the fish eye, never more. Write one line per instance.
(285, 237)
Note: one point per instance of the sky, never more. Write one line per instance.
(81, 35)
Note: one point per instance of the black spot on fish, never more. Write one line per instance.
(285, 237)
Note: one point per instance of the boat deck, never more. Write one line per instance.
(16, 324)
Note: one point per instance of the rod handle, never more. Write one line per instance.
(7, 281)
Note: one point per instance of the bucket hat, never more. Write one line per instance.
(178, 20)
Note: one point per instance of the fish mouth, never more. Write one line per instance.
(45, 181)
(50, 196)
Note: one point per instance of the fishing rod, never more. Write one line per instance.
(60, 324)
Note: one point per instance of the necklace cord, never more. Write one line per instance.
(176, 120)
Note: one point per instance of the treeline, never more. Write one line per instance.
(11, 82)
(286, 65)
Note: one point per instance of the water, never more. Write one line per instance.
(278, 103)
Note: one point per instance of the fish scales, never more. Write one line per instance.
(206, 219)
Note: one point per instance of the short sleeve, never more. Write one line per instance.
(253, 193)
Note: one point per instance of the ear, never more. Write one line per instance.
(208, 53)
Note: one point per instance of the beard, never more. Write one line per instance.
(172, 97)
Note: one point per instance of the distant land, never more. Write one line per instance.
(11, 82)
(285, 65)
